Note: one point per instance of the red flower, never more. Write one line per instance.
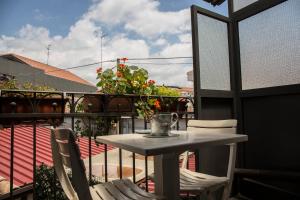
(145, 85)
(121, 66)
(119, 74)
(99, 70)
(124, 59)
(157, 104)
(151, 82)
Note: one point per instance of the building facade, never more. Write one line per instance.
(26, 70)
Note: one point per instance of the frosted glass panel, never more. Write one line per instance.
(239, 4)
(213, 52)
(270, 47)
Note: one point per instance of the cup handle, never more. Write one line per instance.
(176, 119)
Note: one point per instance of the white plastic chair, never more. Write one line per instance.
(204, 184)
(66, 154)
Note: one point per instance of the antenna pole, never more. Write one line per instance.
(48, 52)
(101, 36)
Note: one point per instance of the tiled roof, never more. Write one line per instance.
(50, 70)
(23, 152)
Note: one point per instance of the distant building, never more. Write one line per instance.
(5, 77)
(28, 70)
(186, 91)
(190, 76)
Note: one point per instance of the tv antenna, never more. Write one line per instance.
(101, 36)
(48, 52)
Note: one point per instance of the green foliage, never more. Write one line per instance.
(30, 86)
(129, 80)
(103, 125)
(14, 85)
(125, 80)
(48, 186)
(167, 91)
(134, 80)
(10, 85)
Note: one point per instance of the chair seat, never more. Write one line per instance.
(120, 190)
(198, 183)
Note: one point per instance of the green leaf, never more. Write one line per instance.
(133, 67)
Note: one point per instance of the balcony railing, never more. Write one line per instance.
(39, 108)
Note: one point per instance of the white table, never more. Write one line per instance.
(166, 153)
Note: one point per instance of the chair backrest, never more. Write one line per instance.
(212, 126)
(66, 154)
(215, 126)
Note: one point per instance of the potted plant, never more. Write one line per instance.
(13, 100)
(126, 88)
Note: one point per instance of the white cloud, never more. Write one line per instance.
(140, 16)
(185, 38)
(81, 46)
(177, 50)
(160, 42)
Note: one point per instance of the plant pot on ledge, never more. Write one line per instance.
(26, 105)
(178, 105)
(101, 103)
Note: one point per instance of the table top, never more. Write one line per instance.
(136, 143)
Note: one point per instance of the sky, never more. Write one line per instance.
(132, 29)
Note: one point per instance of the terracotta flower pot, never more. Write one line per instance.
(102, 103)
(178, 105)
(26, 105)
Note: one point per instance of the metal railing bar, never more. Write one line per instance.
(90, 93)
(145, 124)
(120, 164)
(11, 175)
(186, 119)
(90, 148)
(34, 159)
(133, 168)
(133, 154)
(54, 105)
(146, 173)
(105, 162)
(72, 106)
(12, 138)
(20, 192)
(51, 115)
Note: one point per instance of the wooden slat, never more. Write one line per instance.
(213, 123)
(94, 194)
(197, 184)
(201, 175)
(138, 190)
(64, 149)
(61, 134)
(114, 191)
(102, 192)
(198, 130)
(127, 191)
(63, 146)
(66, 160)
